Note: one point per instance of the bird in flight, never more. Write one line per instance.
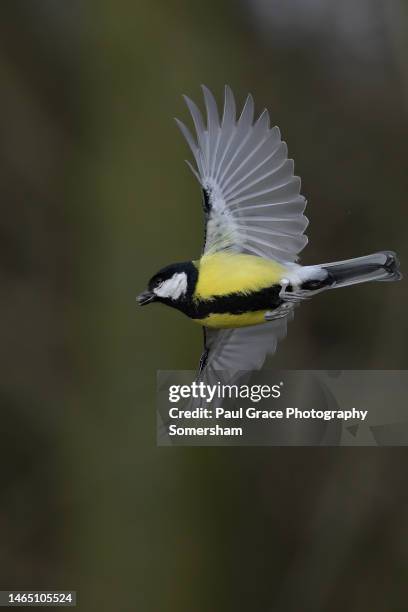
(247, 282)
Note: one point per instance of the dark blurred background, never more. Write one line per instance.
(95, 197)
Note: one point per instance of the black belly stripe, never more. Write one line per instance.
(236, 303)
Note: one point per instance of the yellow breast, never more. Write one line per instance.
(224, 273)
(227, 320)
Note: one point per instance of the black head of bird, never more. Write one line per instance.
(173, 285)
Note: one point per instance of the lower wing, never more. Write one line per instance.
(229, 352)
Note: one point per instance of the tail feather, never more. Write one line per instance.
(381, 266)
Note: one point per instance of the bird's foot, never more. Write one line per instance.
(282, 311)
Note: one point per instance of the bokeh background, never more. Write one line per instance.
(95, 197)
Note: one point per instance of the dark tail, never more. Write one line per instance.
(382, 266)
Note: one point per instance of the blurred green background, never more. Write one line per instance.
(95, 198)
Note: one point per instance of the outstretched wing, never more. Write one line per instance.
(252, 199)
(241, 349)
(229, 357)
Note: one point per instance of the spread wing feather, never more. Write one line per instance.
(244, 348)
(252, 199)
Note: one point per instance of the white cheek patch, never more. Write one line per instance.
(174, 287)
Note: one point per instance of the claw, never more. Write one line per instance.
(280, 312)
(296, 296)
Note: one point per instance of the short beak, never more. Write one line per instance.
(145, 298)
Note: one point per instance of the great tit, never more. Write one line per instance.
(246, 284)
